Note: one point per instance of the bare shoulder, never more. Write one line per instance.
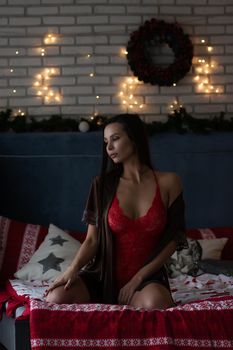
(170, 183)
(169, 179)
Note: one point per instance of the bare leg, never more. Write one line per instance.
(77, 293)
(152, 296)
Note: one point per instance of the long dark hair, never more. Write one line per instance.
(136, 131)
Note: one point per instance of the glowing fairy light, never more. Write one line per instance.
(175, 105)
(50, 39)
(124, 52)
(127, 93)
(19, 113)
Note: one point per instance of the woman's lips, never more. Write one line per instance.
(113, 155)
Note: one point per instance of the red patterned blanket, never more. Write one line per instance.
(203, 325)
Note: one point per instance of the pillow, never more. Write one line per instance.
(215, 232)
(186, 260)
(212, 248)
(216, 267)
(52, 257)
(18, 241)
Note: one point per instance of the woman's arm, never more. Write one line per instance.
(155, 264)
(86, 252)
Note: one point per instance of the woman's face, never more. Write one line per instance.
(119, 146)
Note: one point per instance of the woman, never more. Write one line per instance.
(135, 218)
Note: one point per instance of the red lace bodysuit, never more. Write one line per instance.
(134, 239)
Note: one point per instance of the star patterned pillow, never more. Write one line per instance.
(52, 257)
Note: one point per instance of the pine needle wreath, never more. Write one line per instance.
(157, 32)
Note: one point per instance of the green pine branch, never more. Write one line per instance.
(180, 121)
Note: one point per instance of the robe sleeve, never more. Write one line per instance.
(90, 214)
(175, 228)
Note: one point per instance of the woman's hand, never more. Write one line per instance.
(66, 279)
(126, 293)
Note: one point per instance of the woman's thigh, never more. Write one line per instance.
(77, 293)
(152, 296)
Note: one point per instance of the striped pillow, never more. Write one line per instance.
(18, 242)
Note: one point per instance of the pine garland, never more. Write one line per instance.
(180, 121)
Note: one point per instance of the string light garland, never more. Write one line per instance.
(42, 86)
(130, 100)
(42, 79)
(127, 94)
(41, 83)
(204, 67)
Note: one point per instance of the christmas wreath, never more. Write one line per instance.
(156, 32)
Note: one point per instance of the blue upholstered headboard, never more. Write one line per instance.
(45, 177)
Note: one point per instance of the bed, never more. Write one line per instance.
(45, 179)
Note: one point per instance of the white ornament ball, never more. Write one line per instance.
(83, 126)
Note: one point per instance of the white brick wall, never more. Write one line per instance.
(101, 29)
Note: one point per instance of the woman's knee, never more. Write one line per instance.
(77, 293)
(157, 303)
(153, 296)
(57, 296)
